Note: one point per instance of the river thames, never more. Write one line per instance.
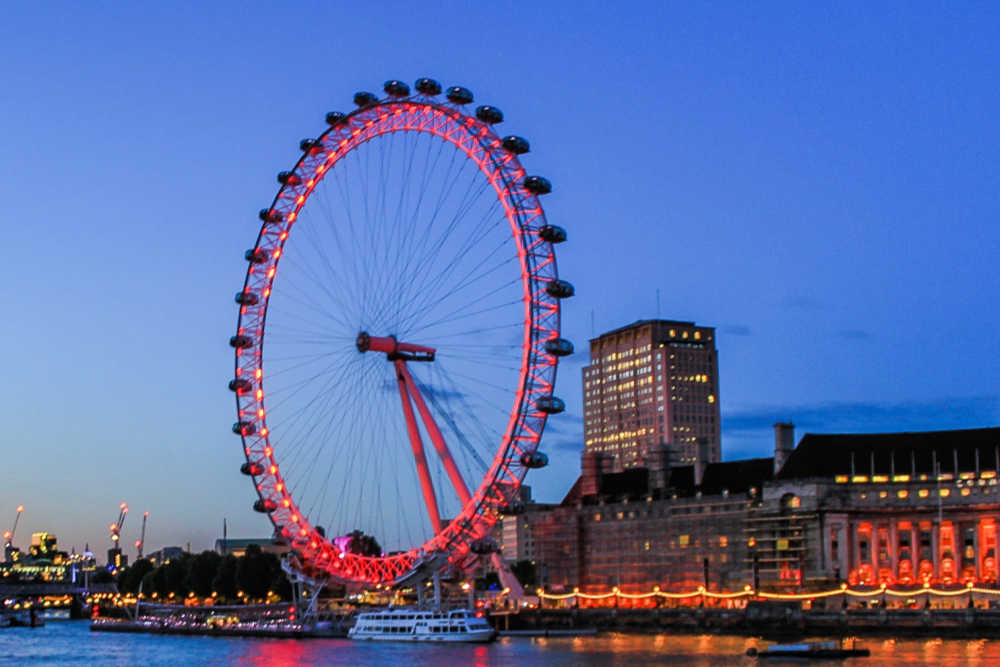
(68, 643)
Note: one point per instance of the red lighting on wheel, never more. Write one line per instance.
(502, 171)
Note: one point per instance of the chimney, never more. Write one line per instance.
(784, 444)
(592, 466)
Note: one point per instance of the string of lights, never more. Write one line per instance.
(748, 592)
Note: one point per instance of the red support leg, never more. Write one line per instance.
(432, 429)
(418, 447)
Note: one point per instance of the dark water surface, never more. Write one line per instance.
(72, 643)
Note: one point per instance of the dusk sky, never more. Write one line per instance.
(817, 181)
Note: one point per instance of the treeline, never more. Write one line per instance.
(209, 574)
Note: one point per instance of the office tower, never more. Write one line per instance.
(652, 391)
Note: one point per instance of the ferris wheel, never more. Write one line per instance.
(417, 303)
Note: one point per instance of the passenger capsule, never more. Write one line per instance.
(559, 347)
(364, 98)
(534, 460)
(255, 256)
(538, 185)
(265, 506)
(516, 145)
(270, 215)
(489, 115)
(241, 342)
(459, 95)
(560, 289)
(289, 178)
(335, 118)
(396, 88)
(249, 468)
(550, 405)
(244, 428)
(428, 86)
(240, 385)
(483, 546)
(246, 298)
(552, 233)
(311, 146)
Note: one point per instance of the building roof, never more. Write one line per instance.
(894, 453)
(736, 476)
(639, 323)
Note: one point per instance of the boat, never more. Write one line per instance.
(809, 650)
(422, 625)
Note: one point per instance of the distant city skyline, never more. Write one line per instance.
(819, 183)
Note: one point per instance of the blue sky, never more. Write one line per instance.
(818, 181)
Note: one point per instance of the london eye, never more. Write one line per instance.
(398, 336)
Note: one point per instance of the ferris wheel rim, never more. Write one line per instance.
(416, 113)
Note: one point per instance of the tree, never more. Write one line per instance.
(176, 575)
(204, 568)
(253, 573)
(363, 545)
(279, 580)
(131, 577)
(224, 582)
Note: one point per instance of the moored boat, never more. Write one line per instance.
(809, 650)
(422, 625)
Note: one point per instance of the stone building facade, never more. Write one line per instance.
(868, 509)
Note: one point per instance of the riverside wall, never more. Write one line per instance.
(767, 619)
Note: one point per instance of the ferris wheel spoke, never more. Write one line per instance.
(310, 440)
(429, 258)
(338, 300)
(432, 290)
(331, 419)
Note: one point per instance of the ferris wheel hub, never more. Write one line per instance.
(392, 348)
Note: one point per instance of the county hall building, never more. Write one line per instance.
(655, 506)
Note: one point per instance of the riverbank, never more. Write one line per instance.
(764, 619)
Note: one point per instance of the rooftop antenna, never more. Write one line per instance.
(657, 303)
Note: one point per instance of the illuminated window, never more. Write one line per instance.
(723, 541)
(711, 398)
(684, 540)
(945, 493)
(923, 493)
(697, 335)
(841, 479)
(965, 491)
(883, 494)
(902, 493)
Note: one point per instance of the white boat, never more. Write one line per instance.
(422, 625)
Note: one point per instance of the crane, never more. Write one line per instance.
(8, 535)
(142, 537)
(116, 528)
(115, 560)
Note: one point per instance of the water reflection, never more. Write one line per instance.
(62, 643)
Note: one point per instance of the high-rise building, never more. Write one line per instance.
(651, 395)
